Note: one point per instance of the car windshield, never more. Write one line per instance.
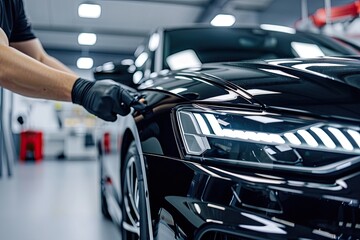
(193, 47)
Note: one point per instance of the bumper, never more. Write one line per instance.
(204, 201)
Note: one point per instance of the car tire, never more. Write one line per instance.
(103, 201)
(104, 206)
(134, 210)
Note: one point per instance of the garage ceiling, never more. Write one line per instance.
(123, 24)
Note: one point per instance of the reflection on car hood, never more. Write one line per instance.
(324, 86)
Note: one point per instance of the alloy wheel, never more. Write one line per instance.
(131, 199)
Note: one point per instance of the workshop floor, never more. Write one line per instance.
(54, 200)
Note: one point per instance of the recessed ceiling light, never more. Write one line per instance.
(87, 38)
(85, 63)
(223, 20)
(87, 10)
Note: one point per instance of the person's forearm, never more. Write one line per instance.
(54, 63)
(24, 75)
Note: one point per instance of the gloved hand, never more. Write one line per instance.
(104, 98)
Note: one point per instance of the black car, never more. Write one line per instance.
(179, 47)
(239, 150)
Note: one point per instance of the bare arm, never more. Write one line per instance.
(34, 49)
(31, 72)
(27, 76)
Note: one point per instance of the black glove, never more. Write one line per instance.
(103, 98)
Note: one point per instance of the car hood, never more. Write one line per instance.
(324, 86)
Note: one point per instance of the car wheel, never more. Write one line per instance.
(135, 220)
(103, 201)
(104, 206)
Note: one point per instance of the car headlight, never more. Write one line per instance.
(259, 137)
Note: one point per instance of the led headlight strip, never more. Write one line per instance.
(196, 127)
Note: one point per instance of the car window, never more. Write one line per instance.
(236, 44)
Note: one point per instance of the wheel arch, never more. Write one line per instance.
(128, 137)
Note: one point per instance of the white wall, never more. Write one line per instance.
(40, 114)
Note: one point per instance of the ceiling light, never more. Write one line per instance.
(85, 63)
(223, 20)
(87, 10)
(87, 38)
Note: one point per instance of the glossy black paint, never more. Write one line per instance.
(340, 87)
(117, 71)
(221, 195)
(213, 44)
(244, 201)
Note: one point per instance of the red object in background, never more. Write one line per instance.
(31, 146)
(107, 143)
(351, 10)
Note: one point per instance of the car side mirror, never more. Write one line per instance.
(119, 71)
